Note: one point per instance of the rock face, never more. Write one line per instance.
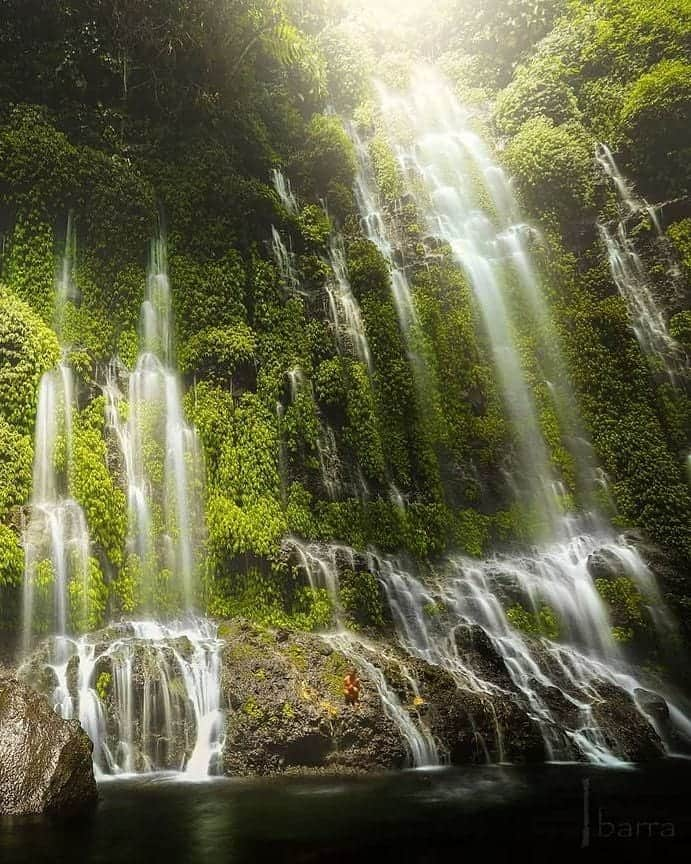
(284, 708)
(282, 694)
(45, 762)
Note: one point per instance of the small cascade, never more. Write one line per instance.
(330, 463)
(421, 746)
(467, 203)
(375, 229)
(283, 188)
(321, 565)
(630, 275)
(56, 537)
(285, 261)
(344, 309)
(561, 676)
(161, 456)
(148, 696)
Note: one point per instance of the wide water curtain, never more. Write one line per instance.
(466, 201)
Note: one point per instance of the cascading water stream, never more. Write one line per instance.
(148, 696)
(147, 693)
(451, 178)
(321, 565)
(630, 276)
(284, 191)
(344, 309)
(56, 537)
(165, 511)
(469, 204)
(285, 261)
(578, 663)
(375, 229)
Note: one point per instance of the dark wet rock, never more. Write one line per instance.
(655, 708)
(626, 731)
(478, 652)
(474, 726)
(652, 704)
(285, 709)
(45, 762)
(605, 564)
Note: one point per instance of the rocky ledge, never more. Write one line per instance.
(45, 762)
(283, 708)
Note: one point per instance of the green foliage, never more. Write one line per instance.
(271, 601)
(471, 532)
(386, 170)
(680, 328)
(88, 599)
(540, 89)
(327, 157)
(208, 295)
(625, 604)
(244, 508)
(554, 168)
(680, 235)
(655, 120)
(620, 407)
(362, 599)
(539, 622)
(11, 557)
(27, 350)
(217, 352)
(103, 685)
(361, 434)
(95, 487)
(315, 225)
(15, 467)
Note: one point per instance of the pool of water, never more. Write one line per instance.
(552, 812)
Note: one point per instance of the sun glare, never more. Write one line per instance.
(391, 12)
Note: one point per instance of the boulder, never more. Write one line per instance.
(626, 731)
(284, 708)
(45, 761)
(606, 564)
(652, 705)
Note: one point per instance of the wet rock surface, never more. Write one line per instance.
(283, 697)
(45, 762)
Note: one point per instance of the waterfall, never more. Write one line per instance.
(161, 456)
(285, 261)
(421, 745)
(147, 693)
(467, 202)
(558, 679)
(560, 672)
(630, 276)
(344, 309)
(284, 191)
(148, 696)
(321, 566)
(375, 229)
(56, 537)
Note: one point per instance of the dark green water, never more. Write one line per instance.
(505, 814)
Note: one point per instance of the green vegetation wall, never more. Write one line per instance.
(131, 114)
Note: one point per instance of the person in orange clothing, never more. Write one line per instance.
(351, 687)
